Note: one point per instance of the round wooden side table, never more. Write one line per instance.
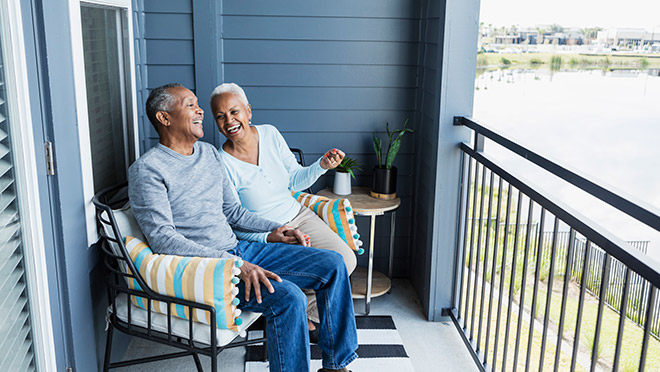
(370, 283)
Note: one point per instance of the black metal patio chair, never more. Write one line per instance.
(300, 158)
(116, 221)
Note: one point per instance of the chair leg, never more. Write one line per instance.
(265, 349)
(214, 360)
(198, 363)
(108, 349)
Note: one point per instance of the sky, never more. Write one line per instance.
(573, 13)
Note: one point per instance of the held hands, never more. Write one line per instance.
(288, 235)
(332, 159)
(253, 275)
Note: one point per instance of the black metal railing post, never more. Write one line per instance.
(464, 252)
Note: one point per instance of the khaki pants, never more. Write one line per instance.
(322, 237)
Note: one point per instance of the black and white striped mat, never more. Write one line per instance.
(380, 349)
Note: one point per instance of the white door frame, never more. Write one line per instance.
(27, 186)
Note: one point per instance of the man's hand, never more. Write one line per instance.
(252, 275)
(288, 235)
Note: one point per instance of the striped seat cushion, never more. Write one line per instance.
(338, 214)
(211, 281)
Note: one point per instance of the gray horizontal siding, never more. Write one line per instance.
(404, 162)
(340, 8)
(320, 52)
(168, 40)
(167, 6)
(321, 98)
(330, 74)
(351, 144)
(163, 74)
(168, 26)
(343, 121)
(316, 28)
(322, 75)
(170, 52)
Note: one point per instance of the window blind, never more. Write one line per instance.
(16, 348)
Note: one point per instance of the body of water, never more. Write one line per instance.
(602, 124)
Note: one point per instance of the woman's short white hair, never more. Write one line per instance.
(230, 88)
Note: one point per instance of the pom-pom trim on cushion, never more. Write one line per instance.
(337, 214)
(211, 281)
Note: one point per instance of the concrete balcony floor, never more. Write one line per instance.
(431, 346)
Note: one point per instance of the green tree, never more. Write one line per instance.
(590, 33)
(556, 28)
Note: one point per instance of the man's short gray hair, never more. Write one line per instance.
(160, 99)
(230, 88)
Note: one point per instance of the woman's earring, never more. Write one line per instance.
(249, 122)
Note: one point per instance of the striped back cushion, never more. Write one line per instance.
(211, 281)
(338, 214)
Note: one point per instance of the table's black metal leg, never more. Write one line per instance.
(392, 228)
(372, 238)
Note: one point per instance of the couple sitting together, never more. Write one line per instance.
(187, 196)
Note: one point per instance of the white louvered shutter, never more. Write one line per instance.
(16, 347)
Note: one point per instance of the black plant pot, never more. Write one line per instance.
(384, 183)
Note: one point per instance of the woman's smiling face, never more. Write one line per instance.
(231, 116)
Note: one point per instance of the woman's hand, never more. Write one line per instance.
(332, 159)
(253, 275)
(288, 235)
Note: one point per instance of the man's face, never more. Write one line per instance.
(185, 116)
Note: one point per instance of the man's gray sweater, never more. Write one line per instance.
(184, 204)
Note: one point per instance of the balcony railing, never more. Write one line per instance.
(573, 298)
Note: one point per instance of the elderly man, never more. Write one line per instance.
(183, 203)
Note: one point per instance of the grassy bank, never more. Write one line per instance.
(502, 273)
(562, 61)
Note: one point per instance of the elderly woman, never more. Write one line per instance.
(263, 170)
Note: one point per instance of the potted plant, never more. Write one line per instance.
(343, 175)
(384, 182)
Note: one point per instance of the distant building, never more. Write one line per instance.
(508, 39)
(573, 36)
(629, 37)
(556, 38)
(535, 36)
(530, 36)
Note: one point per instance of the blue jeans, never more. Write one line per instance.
(285, 310)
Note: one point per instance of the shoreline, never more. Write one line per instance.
(557, 61)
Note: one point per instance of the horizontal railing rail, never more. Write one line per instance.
(525, 293)
(625, 203)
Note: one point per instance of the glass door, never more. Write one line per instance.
(110, 134)
(104, 74)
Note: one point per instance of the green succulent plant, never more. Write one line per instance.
(393, 146)
(347, 165)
